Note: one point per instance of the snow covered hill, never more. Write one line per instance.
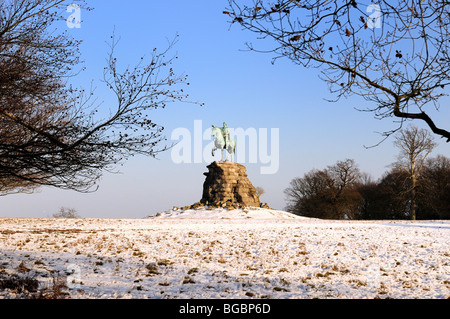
(251, 253)
(223, 213)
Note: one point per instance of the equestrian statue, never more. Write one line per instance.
(223, 141)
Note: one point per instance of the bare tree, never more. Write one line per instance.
(53, 134)
(345, 197)
(328, 193)
(259, 191)
(65, 212)
(345, 174)
(310, 195)
(415, 145)
(387, 198)
(393, 54)
(434, 201)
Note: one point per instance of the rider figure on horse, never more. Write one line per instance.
(223, 140)
(226, 134)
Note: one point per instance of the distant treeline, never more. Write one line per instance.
(341, 191)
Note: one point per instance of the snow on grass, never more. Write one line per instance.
(251, 253)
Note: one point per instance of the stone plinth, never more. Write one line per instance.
(227, 185)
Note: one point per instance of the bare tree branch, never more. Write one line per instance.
(52, 134)
(394, 55)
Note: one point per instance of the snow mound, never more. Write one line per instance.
(223, 213)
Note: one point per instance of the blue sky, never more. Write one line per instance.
(242, 88)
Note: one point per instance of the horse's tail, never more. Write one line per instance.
(234, 150)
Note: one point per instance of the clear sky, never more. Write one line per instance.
(242, 88)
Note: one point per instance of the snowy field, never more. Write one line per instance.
(255, 253)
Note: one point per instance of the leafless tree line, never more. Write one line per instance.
(415, 187)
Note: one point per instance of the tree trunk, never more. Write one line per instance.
(414, 174)
(413, 200)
